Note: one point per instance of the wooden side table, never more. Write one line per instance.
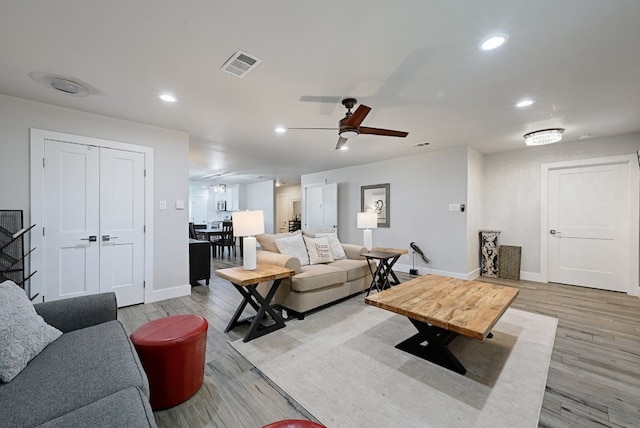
(399, 251)
(246, 282)
(380, 277)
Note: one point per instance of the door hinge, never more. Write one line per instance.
(145, 173)
(43, 231)
(43, 162)
(144, 229)
(144, 284)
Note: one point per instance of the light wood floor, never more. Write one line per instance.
(593, 381)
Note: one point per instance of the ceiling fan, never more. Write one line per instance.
(349, 126)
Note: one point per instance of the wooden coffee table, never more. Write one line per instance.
(441, 308)
(246, 282)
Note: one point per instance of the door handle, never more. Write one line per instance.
(91, 238)
(555, 232)
(107, 238)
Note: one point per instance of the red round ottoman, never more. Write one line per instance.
(172, 351)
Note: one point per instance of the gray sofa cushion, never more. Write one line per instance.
(77, 369)
(127, 408)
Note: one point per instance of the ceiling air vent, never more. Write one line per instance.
(240, 64)
(422, 144)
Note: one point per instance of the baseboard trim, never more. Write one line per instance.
(531, 276)
(168, 293)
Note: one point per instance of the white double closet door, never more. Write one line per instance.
(94, 222)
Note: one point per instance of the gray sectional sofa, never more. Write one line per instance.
(89, 377)
(316, 285)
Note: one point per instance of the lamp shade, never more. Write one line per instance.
(248, 223)
(367, 220)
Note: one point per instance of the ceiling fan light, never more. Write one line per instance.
(349, 134)
(544, 136)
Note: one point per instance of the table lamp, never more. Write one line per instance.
(247, 224)
(367, 221)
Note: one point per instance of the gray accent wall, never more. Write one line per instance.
(422, 187)
(171, 148)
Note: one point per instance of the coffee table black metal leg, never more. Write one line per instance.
(430, 343)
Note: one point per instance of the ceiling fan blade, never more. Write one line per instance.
(341, 142)
(379, 131)
(329, 129)
(358, 116)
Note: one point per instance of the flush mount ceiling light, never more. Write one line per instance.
(493, 42)
(280, 129)
(544, 136)
(60, 83)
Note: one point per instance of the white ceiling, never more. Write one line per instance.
(415, 62)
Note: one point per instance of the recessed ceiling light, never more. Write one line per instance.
(494, 42)
(168, 98)
(280, 129)
(60, 83)
(344, 148)
(524, 103)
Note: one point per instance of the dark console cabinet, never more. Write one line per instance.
(199, 261)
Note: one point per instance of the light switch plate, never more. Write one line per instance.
(179, 205)
(163, 205)
(454, 207)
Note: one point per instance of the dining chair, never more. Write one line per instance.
(227, 240)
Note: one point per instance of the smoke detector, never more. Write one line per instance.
(240, 64)
(60, 84)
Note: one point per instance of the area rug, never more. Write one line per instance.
(341, 365)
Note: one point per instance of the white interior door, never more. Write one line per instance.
(321, 207)
(122, 225)
(589, 226)
(72, 220)
(94, 222)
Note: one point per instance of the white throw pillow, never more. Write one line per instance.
(319, 250)
(23, 333)
(293, 246)
(337, 252)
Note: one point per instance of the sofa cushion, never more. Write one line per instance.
(355, 269)
(317, 276)
(23, 333)
(79, 368)
(267, 240)
(319, 250)
(127, 408)
(293, 246)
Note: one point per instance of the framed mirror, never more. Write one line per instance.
(376, 198)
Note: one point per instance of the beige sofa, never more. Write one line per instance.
(315, 285)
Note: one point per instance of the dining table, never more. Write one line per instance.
(216, 231)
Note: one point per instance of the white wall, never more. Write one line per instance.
(171, 257)
(261, 196)
(422, 187)
(512, 190)
(474, 208)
